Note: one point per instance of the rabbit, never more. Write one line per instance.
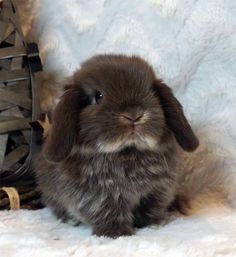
(109, 158)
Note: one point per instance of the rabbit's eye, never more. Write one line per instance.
(97, 98)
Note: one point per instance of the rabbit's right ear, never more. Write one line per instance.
(65, 121)
(175, 118)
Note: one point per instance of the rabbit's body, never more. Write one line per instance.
(93, 188)
(112, 164)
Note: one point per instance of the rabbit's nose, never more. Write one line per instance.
(131, 118)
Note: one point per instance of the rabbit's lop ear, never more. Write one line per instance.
(65, 122)
(174, 115)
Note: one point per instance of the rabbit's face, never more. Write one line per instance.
(122, 109)
(115, 102)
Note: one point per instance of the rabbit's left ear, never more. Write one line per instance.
(65, 121)
(174, 115)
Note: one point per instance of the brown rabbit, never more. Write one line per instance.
(109, 159)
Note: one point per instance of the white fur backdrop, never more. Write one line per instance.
(192, 47)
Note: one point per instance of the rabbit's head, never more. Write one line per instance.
(115, 102)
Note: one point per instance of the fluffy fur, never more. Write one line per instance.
(110, 162)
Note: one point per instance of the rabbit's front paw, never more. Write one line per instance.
(114, 231)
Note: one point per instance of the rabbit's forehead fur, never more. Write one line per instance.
(116, 77)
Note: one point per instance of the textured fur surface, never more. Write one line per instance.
(113, 159)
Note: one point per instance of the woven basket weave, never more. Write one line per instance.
(18, 99)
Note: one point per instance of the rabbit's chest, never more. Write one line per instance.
(129, 177)
(115, 181)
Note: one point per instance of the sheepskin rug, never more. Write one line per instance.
(192, 47)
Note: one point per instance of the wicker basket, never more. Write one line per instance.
(18, 100)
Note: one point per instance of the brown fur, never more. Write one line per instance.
(92, 168)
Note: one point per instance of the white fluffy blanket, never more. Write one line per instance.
(39, 234)
(192, 47)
